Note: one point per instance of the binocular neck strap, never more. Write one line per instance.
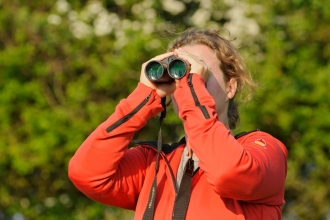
(183, 196)
(149, 212)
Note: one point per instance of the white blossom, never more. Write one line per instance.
(50, 201)
(121, 40)
(120, 2)
(153, 44)
(137, 9)
(94, 7)
(80, 29)
(238, 22)
(62, 6)
(73, 15)
(150, 14)
(64, 199)
(174, 7)
(148, 28)
(136, 25)
(200, 17)
(207, 4)
(104, 22)
(54, 19)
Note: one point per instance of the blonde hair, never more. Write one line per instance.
(231, 64)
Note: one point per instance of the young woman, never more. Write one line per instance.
(226, 176)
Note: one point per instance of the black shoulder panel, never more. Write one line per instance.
(166, 148)
(244, 133)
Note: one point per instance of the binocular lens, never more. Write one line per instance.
(177, 69)
(154, 70)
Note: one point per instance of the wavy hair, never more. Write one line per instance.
(231, 64)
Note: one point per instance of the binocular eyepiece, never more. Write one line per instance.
(166, 70)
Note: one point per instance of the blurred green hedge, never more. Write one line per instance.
(66, 64)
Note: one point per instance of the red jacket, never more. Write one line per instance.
(238, 178)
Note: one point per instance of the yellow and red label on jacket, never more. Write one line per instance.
(261, 142)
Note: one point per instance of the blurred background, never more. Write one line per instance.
(65, 64)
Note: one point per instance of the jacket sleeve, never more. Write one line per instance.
(103, 168)
(243, 170)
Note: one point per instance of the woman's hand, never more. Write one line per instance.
(197, 64)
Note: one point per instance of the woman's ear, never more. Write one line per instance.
(231, 88)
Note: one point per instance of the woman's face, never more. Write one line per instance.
(216, 86)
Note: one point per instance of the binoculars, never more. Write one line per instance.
(166, 70)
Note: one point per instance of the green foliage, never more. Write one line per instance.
(66, 64)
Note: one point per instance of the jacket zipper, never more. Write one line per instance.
(197, 103)
(128, 116)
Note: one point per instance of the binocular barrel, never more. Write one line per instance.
(166, 70)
